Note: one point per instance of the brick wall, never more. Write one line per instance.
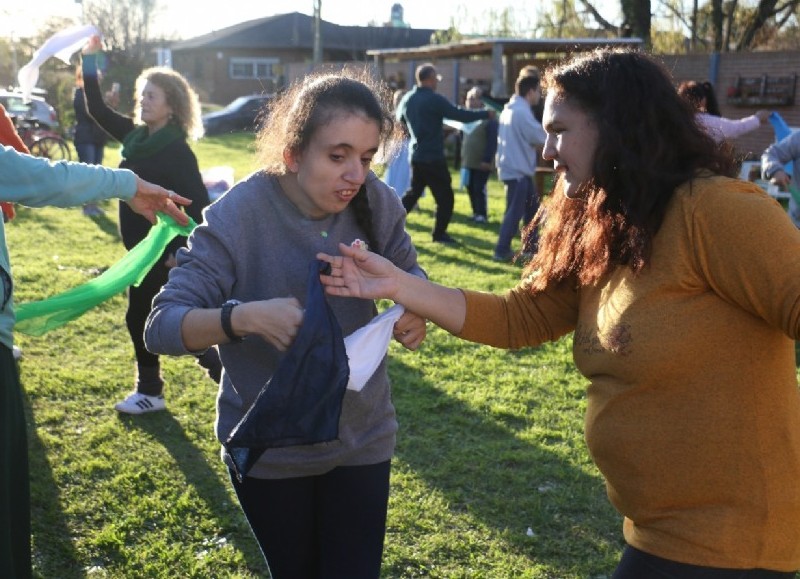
(747, 65)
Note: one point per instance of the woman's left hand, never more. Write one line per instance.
(410, 330)
(150, 199)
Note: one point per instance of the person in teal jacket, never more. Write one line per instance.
(36, 182)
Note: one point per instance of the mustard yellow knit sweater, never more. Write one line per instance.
(693, 408)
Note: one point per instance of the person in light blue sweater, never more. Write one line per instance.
(315, 509)
(36, 182)
(519, 138)
(776, 163)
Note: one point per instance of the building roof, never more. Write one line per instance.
(296, 30)
(486, 46)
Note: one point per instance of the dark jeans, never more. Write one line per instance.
(636, 564)
(91, 153)
(435, 176)
(476, 187)
(521, 205)
(15, 496)
(329, 526)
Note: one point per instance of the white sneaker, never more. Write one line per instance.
(17, 352)
(140, 403)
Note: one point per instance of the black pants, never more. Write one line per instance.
(329, 526)
(140, 301)
(15, 496)
(435, 176)
(476, 187)
(636, 564)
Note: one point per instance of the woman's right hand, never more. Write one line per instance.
(277, 321)
(359, 273)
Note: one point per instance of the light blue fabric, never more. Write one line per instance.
(37, 182)
(781, 155)
(398, 173)
(518, 136)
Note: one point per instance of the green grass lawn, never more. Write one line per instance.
(491, 477)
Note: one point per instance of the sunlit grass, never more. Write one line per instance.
(491, 477)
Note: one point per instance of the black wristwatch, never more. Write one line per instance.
(227, 309)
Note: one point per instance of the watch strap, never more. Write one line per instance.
(227, 327)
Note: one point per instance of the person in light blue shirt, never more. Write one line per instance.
(519, 137)
(36, 182)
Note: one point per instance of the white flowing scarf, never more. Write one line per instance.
(367, 346)
(62, 45)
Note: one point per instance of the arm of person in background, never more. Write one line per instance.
(37, 182)
(111, 121)
(776, 156)
(450, 111)
(10, 138)
(8, 133)
(491, 144)
(732, 128)
(532, 131)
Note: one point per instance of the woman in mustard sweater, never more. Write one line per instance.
(684, 321)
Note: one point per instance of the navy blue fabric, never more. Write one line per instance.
(302, 401)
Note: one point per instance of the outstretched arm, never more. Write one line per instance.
(362, 274)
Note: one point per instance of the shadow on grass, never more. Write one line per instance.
(61, 559)
(193, 463)
(485, 470)
(105, 223)
(50, 559)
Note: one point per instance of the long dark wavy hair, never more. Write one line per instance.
(311, 103)
(649, 144)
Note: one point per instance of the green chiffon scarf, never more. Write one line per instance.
(140, 144)
(37, 318)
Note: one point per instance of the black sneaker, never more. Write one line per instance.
(446, 239)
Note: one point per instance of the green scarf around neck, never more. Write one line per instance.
(139, 143)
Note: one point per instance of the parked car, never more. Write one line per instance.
(37, 108)
(240, 115)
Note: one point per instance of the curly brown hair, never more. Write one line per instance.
(650, 143)
(181, 98)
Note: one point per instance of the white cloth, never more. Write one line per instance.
(62, 45)
(367, 346)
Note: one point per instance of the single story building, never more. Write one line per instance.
(251, 57)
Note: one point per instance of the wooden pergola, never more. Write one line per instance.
(502, 51)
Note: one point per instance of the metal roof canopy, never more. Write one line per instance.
(500, 49)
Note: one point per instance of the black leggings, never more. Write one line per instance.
(329, 526)
(636, 564)
(15, 496)
(140, 301)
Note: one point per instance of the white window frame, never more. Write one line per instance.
(253, 64)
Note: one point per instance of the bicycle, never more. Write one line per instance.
(42, 141)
